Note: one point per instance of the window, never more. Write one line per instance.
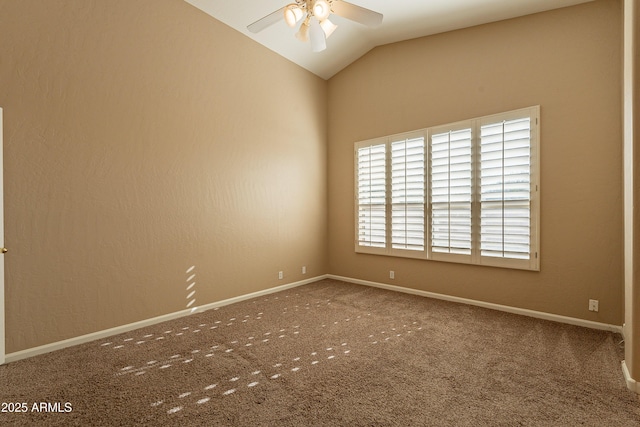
(372, 196)
(464, 192)
(407, 194)
(451, 192)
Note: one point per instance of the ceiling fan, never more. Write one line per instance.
(314, 14)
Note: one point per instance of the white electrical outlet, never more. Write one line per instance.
(593, 305)
(304, 269)
(280, 275)
(392, 274)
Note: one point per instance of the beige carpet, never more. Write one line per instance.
(331, 354)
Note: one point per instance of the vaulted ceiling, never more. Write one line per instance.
(403, 20)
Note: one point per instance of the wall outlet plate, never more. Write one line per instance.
(593, 305)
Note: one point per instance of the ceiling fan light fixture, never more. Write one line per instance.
(317, 36)
(313, 19)
(292, 14)
(321, 9)
(328, 27)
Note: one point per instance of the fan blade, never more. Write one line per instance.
(316, 36)
(267, 21)
(356, 13)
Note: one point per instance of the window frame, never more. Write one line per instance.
(475, 258)
(371, 249)
(388, 249)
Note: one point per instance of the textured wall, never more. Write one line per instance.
(632, 187)
(569, 62)
(635, 350)
(143, 138)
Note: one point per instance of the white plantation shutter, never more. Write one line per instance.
(451, 192)
(407, 194)
(505, 189)
(465, 192)
(371, 187)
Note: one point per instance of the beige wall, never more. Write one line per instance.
(569, 62)
(635, 350)
(631, 188)
(143, 138)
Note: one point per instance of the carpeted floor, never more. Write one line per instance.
(330, 354)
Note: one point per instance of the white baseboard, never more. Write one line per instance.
(23, 354)
(505, 308)
(30, 352)
(631, 383)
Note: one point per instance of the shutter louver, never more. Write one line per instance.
(372, 196)
(451, 193)
(407, 194)
(505, 186)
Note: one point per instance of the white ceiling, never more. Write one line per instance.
(403, 20)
